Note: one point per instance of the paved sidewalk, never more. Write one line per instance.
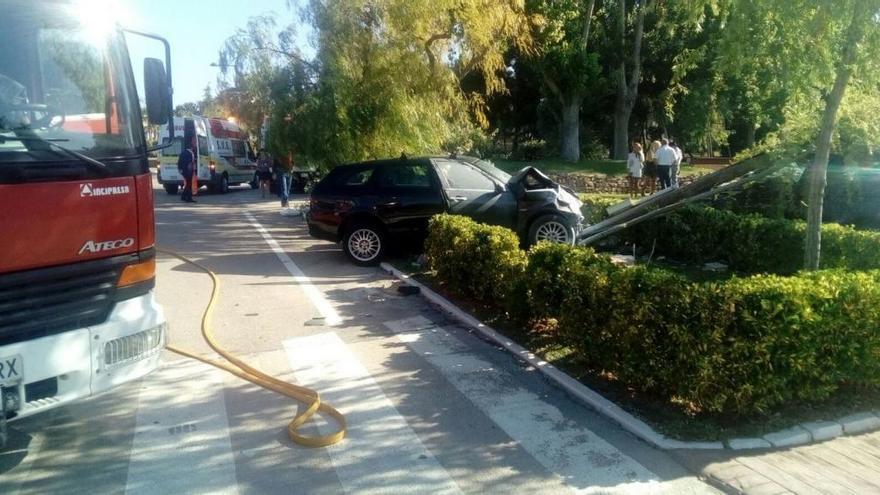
(845, 465)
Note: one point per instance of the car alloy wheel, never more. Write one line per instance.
(364, 245)
(553, 231)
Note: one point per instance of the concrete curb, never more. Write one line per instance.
(798, 435)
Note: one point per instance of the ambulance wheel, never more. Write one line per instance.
(171, 188)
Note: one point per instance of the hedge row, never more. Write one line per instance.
(753, 243)
(480, 262)
(745, 345)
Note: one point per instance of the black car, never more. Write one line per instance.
(367, 205)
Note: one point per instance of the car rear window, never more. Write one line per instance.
(355, 177)
(346, 176)
(409, 175)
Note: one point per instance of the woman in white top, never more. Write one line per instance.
(634, 164)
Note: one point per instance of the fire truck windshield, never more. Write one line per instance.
(62, 87)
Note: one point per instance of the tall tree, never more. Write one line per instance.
(568, 69)
(859, 15)
(627, 88)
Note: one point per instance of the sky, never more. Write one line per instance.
(196, 30)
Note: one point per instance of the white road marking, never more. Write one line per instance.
(181, 444)
(381, 453)
(584, 461)
(331, 317)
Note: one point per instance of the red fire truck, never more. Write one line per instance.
(78, 314)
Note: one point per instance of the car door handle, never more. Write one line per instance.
(389, 204)
(457, 199)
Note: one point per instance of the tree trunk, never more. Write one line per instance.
(622, 113)
(571, 144)
(627, 92)
(750, 135)
(819, 168)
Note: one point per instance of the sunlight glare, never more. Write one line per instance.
(99, 18)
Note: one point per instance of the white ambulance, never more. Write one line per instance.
(223, 152)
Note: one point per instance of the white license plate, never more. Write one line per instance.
(11, 370)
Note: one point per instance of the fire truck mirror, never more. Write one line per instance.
(157, 92)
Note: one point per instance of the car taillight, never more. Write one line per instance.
(138, 272)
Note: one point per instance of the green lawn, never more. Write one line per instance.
(591, 167)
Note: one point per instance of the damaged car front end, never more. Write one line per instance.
(547, 211)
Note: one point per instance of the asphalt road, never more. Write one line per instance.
(431, 407)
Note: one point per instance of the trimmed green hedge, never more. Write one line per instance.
(753, 243)
(745, 345)
(474, 260)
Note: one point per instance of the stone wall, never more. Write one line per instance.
(583, 183)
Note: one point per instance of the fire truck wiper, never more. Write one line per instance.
(94, 164)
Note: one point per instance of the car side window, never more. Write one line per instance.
(355, 177)
(203, 146)
(457, 175)
(410, 175)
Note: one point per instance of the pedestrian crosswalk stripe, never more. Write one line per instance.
(381, 453)
(584, 461)
(181, 443)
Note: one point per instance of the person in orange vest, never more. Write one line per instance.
(186, 166)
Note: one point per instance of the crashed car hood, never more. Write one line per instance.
(566, 199)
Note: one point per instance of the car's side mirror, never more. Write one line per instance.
(157, 92)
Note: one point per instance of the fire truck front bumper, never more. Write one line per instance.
(58, 369)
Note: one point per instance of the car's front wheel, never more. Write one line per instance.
(551, 228)
(364, 244)
(171, 188)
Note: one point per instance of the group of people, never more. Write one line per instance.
(660, 165)
(186, 165)
(266, 167)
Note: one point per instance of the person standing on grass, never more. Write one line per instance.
(665, 161)
(650, 172)
(676, 167)
(635, 162)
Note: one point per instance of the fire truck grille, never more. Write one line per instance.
(43, 302)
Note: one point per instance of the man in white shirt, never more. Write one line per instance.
(666, 158)
(676, 167)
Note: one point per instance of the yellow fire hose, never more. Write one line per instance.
(246, 372)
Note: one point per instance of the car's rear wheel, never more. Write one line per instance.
(551, 228)
(364, 244)
(171, 188)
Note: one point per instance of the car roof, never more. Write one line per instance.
(409, 159)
